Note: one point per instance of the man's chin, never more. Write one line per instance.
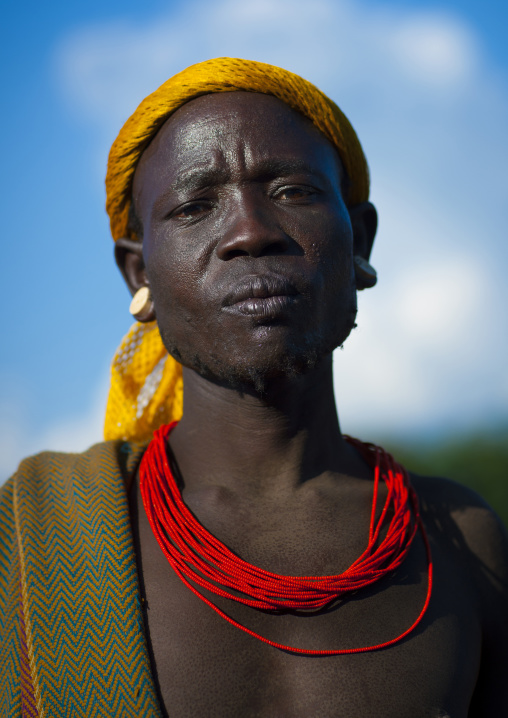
(260, 379)
(256, 377)
(259, 366)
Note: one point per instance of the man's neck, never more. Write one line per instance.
(261, 443)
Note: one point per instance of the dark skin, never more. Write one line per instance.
(259, 453)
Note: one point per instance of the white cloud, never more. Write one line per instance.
(438, 301)
(106, 70)
(431, 115)
(435, 49)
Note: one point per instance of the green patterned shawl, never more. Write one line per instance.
(72, 641)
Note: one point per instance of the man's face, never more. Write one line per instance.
(247, 240)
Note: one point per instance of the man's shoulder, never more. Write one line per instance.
(470, 545)
(440, 497)
(462, 523)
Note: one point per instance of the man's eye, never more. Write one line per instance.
(293, 193)
(188, 211)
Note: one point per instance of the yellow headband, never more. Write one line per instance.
(146, 384)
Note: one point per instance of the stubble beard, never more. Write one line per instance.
(299, 357)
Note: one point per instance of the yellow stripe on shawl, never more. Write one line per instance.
(146, 386)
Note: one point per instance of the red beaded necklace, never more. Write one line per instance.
(197, 556)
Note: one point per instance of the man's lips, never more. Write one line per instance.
(265, 295)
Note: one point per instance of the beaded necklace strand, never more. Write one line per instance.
(196, 555)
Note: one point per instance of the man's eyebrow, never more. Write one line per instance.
(284, 167)
(198, 178)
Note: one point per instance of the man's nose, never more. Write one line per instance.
(253, 231)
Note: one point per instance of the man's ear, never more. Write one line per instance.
(129, 258)
(364, 223)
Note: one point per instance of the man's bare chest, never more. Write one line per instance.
(205, 666)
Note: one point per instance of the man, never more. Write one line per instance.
(238, 198)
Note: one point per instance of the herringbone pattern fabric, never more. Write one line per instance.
(66, 542)
(10, 679)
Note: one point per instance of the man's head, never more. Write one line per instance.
(242, 212)
(239, 197)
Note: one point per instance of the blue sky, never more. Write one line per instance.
(426, 86)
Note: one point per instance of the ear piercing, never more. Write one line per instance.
(141, 306)
(366, 275)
